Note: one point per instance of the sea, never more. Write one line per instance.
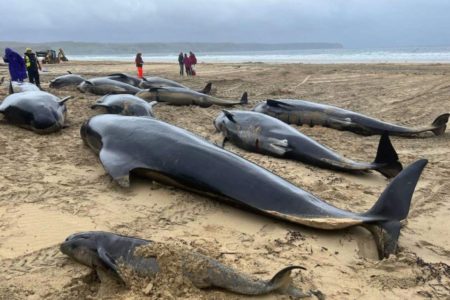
(319, 56)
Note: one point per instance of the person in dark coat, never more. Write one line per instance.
(187, 64)
(33, 67)
(181, 63)
(139, 64)
(16, 65)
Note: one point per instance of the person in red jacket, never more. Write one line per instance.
(139, 64)
(193, 60)
(187, 64)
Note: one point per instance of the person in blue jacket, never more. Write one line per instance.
(16, 64)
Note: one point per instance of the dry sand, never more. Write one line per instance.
(53, 185)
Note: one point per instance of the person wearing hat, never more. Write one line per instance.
(33, 67)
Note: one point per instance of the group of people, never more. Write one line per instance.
(19, 66)
(188, 63)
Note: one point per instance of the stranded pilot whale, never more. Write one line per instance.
(68, 80)
(158, 82)
(105, 85)
(309, 113)
(182, 96)
(264, 134)
(174, 156)
(38, 111)
(125, 104)
(111, 254)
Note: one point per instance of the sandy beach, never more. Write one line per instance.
(53, 185)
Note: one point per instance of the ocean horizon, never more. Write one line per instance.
(381, 55)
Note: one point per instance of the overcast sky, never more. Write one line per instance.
(354, 23)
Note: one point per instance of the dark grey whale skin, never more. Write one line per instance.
(68, 80)
(301, 112)
(108, 253)
(39, 111)
(261, 133)
(125, 104)
(174, 156)
(104, 86)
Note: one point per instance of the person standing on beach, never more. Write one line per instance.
(139, 64)
(193, 61)
(180, 62)
(16, 65)
(33, 67)
(187, 64)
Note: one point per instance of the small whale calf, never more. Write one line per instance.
(103, 86)
(64, 81)
(301, 112)
(110, 254)
(125, 104)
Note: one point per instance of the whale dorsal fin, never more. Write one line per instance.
(229, 115)
(155, 89)
(276, 103)
(122, 75)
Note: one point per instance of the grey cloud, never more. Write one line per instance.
(355, 23)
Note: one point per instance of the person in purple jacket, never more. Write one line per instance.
(16, 64)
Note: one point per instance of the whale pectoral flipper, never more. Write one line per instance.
(225, 139)
(118, 166)
(63, 100)
(277, 146)
(107, 259)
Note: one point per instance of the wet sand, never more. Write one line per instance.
(53, 185)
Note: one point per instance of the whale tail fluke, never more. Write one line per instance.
(244, 98)
(207, 89)
(387, 158)
(440, 124)
(282, 282)
(392, 207)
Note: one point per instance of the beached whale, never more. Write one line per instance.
(125, 78)
(261, 133)
(182, 96)
(158, 82)
(125, 104)
(38, 111)
(309, 113)
(171, 155)
(112, 254)
(68, 80)
(103, 86)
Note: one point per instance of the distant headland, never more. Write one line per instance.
(85, 48)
